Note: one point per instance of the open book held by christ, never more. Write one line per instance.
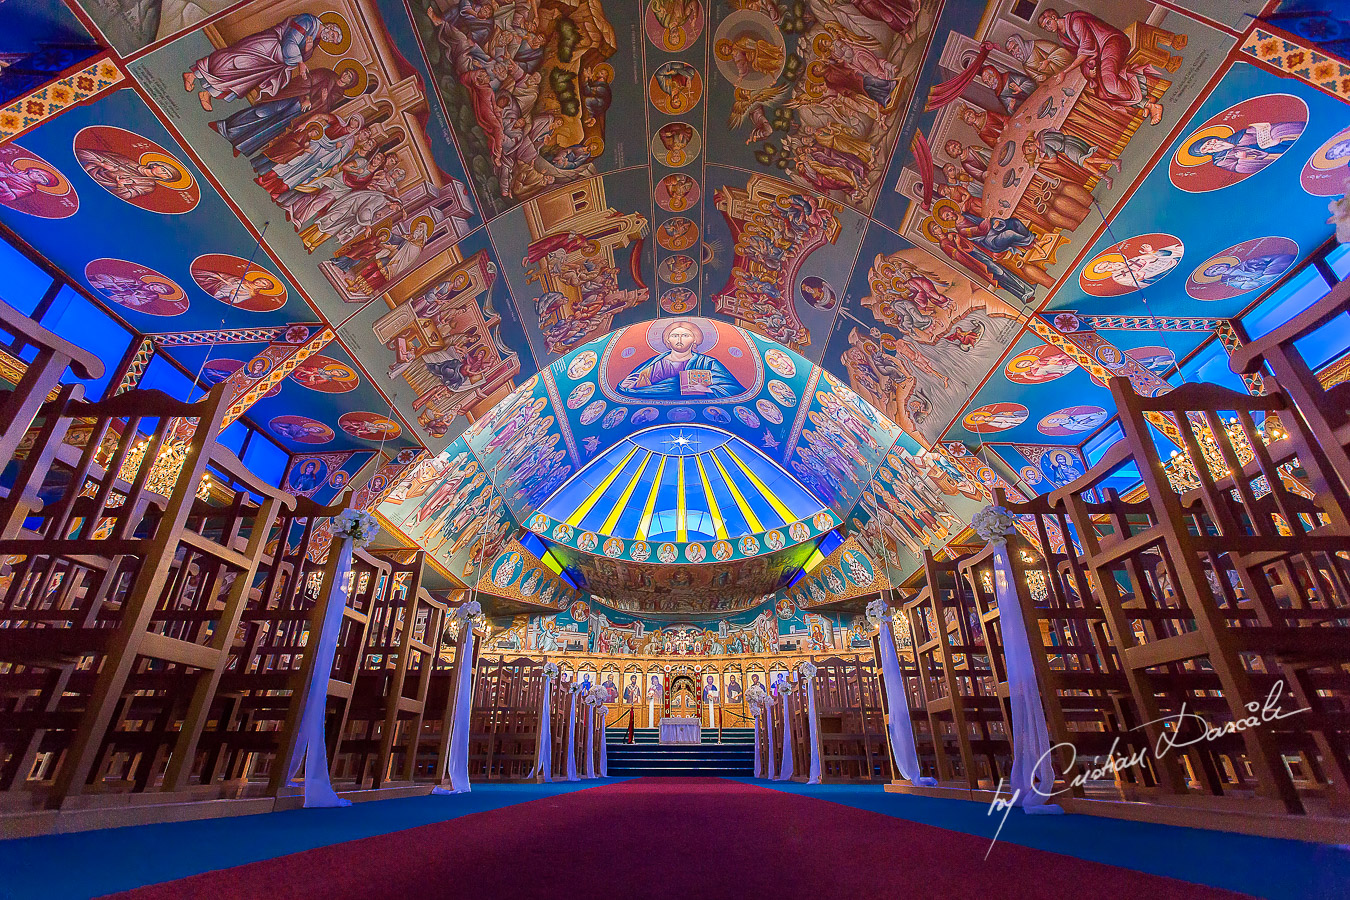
(696, 381)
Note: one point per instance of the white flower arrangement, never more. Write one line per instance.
(757, 695)
(1340, 217)
(994, 523)
(551, 671)
(878, 611)
(808, 669)
(466, 611)
(356, 524)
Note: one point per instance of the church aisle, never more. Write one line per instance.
(695, 838)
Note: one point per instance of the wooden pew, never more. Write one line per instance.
(962, 704)
(256, 692)
(504, 725)
(364, 589)
(1229, 590)
(129, 585)
(853, 743)
(1085, 692)
(19, 407)
(1323, 408)
(383, 720)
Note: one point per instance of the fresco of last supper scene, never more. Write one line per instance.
(675, 449)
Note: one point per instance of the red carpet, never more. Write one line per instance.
(684, 838)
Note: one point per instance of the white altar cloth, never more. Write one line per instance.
(681, 731)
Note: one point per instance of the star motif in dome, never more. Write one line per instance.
(682, 443)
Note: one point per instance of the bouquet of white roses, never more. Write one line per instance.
(994, 523)
(551, 671)
(878, 611)
(356, 524)
(757, 695)
(466, 611)
(807, 669)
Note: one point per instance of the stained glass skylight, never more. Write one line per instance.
(681, 483)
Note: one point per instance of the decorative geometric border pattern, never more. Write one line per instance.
(705, 552)
(274, 377)
(229, 336)
(45, 102)
(1150, 323)
(1304, 63)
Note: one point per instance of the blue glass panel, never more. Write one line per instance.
(1298, 294)
(266, 460)
(233, 437)
(24, 283)
(768, 517)
(611, 494)
(85, 325)
(1339, 260)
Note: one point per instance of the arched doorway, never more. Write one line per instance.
(683, 698)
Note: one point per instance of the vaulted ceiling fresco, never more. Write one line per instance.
(967, 213)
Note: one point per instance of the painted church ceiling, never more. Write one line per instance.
(968, 213)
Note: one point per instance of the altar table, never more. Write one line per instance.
(681, 731)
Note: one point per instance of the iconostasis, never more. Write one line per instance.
(908, 240)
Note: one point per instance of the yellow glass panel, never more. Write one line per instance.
(778, 505)
(594, 498)
(650, 505)
(716, 512)
(681, 517)
(751, 519)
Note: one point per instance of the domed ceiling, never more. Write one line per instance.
(385, 220)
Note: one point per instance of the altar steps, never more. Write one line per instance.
(734, 757)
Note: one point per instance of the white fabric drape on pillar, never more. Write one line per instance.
(1033, 771)
(457, 766)
(770, 771)
(900, 728)
(311, 749)
(590, 740)
(785, 771)
(814, 737)
(543, 754)
(571, 736)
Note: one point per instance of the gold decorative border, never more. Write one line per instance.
(28, 112)
(1286, 54)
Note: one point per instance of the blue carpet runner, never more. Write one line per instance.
(733, 757)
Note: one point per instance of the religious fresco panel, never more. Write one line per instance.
(915, 336)
(575, 260)
(449, 506)
(322, 130)
(1011, 147)
(69, 180)
(814, 91)
(781, 256)
(529, 91)
(445, 343)
(1240, 160)
(918, 500)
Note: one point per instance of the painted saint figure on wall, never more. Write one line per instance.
(263, 62)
